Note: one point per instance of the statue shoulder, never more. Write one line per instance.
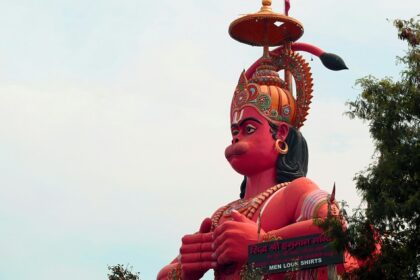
(287, 200)
(300, 187)
(296, 191)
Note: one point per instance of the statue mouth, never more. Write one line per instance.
(236, 150)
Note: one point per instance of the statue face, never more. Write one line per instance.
(252, 149)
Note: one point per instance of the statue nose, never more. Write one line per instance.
(235, 140)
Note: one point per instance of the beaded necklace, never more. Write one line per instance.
(246, 207)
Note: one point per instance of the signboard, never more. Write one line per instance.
(293, 254)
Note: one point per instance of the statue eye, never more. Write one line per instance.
(250, 129)
(235, 132)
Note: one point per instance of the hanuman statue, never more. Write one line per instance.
(276, 200)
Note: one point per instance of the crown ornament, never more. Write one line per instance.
(279, 100)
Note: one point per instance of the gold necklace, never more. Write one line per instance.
(246, 207)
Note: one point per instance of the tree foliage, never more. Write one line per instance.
(119, 272)
(390, 186)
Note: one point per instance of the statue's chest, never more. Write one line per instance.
(247, 207)
(250, 208)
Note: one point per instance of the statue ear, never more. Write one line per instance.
(283, 131)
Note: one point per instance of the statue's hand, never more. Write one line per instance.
(196, 252)
(231, 239)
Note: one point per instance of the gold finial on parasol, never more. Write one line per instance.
(266, 6)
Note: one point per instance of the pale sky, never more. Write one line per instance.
(114, 119)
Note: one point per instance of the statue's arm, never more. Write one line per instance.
(301, 228)
(305, 202)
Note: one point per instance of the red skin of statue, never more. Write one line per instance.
(252, 154)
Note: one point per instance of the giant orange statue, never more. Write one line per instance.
(276, 200)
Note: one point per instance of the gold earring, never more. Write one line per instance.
(279, 149)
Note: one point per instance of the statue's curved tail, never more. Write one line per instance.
(329, 60)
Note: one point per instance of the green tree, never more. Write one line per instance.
(390, 186)
(119, 272)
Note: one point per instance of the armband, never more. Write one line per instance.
(311, 205)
